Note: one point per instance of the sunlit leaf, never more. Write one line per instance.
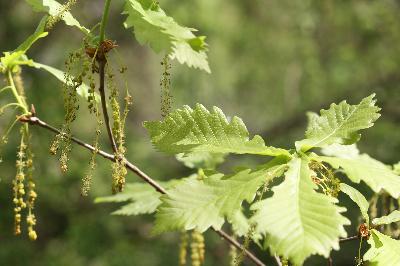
(374, 173)
(393, 217)
(200, 204)
(153, 27)
(53, 8)
(358, 199)
(198, 130)
(384, 250)
(340, 124)
(297, 220)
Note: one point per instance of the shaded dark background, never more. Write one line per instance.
(271, 62)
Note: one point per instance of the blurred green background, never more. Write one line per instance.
(271, 62)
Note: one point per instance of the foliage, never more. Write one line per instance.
(198, 130)
(291, 201)
(384, 250)
(152, 26)
(339, 124)
(297, 216)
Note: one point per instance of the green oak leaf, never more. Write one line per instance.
(189, 130)
(140, 198)
(384, 250)
(358, 199)
(200, 204)
(53, 8)
(297, 220)
(341, 151)
(396, 168)
(393, 217)
(153, 27)
(374, 173)
(340, 124)
(204, 160)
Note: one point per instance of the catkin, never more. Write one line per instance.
(18, 184)
(165, 84)
(118, 127)
(71, 105)
(31, 196)
(197, 248)
(183, 248)
(52, 20)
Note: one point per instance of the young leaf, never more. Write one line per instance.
(393, 217)
(240, 223)
(297, 220)
(12, 60)
(358, 199)
(204, 160)
(341, 151)
(374, 173)
(200, 204)
(396, 168)
(152, 26)
(39, 33)
(141, 197)
(187, 130)
(53, 8)
(82, 90)
(384, 250)
(339, 124)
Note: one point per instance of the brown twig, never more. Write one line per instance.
(36, 121)
(102, 63)
(278, 260)
(349, 238)
(330, 261)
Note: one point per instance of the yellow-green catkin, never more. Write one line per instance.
(31, 196)
(232, 255)
(183, 248)
(249, 236)
(165, 84)
(325, 179)
(18, 184)
(19, 84)
(197, 248)
(118, 167)
(66, 7)
(87, 180)
(71, 106)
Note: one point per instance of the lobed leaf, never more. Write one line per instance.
(341, 151)
(384, 250)
(358, 199)
(204, 160)
(198, 130)
(53, 8)
(374, 173)
(340, 124)
(153, 27)
(200, 204)
(297, 220)
(396, 168)
(141, 198)
(393, 217)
